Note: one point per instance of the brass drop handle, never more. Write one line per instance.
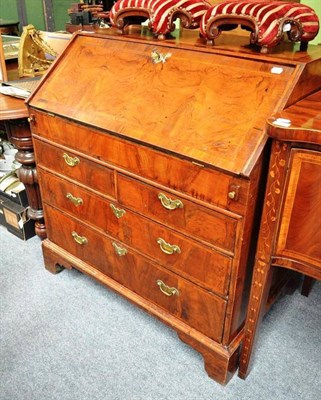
(168, 203)
(117, 211)
(120, 251)
(168, 248)
(71, 161)
(167, 290)
(79, 239)
(77, 201)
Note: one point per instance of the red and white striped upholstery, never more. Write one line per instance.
(267, 19)
(161, 13)
(124, 5)
(165, 11)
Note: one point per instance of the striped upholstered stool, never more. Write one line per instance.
(267, 21)
(160, 13)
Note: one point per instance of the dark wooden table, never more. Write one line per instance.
(14, 116)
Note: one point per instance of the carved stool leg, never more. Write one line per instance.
(264, 50)
(20, 135)
(304, 46)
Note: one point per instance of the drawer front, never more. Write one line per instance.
(200, 222)
(202, 183)
(81, 203)
(73, 166)
(198, 308)
(210, 268)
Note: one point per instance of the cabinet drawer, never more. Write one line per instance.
(203, 183)
(193, 305)
(208, 267)
(200, 222)
(86, 172)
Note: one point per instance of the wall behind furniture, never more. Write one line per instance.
(34, 12)
(316, 5)
(60, 8)
(8, 10)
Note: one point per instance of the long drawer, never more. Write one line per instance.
(208, 267)
(200, 309)
(201, 182)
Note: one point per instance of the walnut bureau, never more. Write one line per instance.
(150, 174)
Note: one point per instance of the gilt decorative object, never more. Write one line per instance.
(35, 55)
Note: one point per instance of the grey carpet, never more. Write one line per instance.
(66, 337)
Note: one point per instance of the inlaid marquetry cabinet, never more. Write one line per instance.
(290, 232)
(151, 173)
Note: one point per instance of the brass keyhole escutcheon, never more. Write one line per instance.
(158, 57)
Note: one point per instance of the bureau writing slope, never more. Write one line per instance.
(149, 174)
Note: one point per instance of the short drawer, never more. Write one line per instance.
(208, 267)
(199, 181)
(200, 309)
(73, 166)
(214, 227)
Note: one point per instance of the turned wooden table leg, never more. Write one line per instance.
(19, 134)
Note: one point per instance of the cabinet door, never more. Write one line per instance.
(300, 221)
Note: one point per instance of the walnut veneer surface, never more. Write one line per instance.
(150, 173)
